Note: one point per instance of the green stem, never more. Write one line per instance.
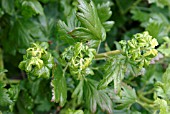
(148, 92)
(11, 81)
(133, 5)
(64, 70)
(2, 75)
(98, 47)
(145, 105)
(107, 54)
(1, 60)
(148, 101)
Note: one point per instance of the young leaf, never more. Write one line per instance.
(25, 103)
(88, 17)
(104, 13)
(94, 97)
(160, 3)
(21, 35)
(140, 16)
(114, 72)
(13, 93)
(128, 97)
(162, 88)
(64, 28)
(69, 111)
(44, 105)
(164, 48)
(78, 92)
(31, 7)
(163, 105)
(4, 96)
(8, 6)
(59, 86)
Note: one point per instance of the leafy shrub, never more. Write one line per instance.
(70, 57)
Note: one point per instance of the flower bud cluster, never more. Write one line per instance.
(79, 57)
(37, 61)
(140, 49)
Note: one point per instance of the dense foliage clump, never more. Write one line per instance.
(84, 56)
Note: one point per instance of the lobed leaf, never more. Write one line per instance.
(164, 48)
(69, 111)
(31, 7)
(88, 17)
(104, 13)
(114, 72)
(162, 88)
(59, 86)
(128, 96)
(64, 29)
(4, 96)
(163, 105)
(94, 97)
(8, 6)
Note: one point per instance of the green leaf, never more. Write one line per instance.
(162, 88)
(44, 72)
(64, 28)
(3, 71)
(160, 3)
(69, 111)
(8, 6)
(104, 13)
(88, 17)
(1, 12)
(165, 47)
(59, 86)
(140, 16)
(128, 96)
(78, 92)
(25, 103)
(163, 105)
(4, 96)
(35, 85)
(154, 29)
(158, 26)
(13, 93)
(81, 32)
(31, 7)
(114, 72)
(125, 5)
(94, 97)
(108, 25)
(19, 36)
(155, 22)
(44, 105)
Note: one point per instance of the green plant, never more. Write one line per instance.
(71, 67)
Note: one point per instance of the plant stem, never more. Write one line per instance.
(98, 47)
(64, 70)
(12, 81)
(148, 92)
(144, 98)
(107, 54)
(146, 106)
(2, 75)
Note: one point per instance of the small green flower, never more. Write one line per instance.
(37, 61)
(141, 49)
(79, 57)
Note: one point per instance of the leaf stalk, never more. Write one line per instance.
(105, 55)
